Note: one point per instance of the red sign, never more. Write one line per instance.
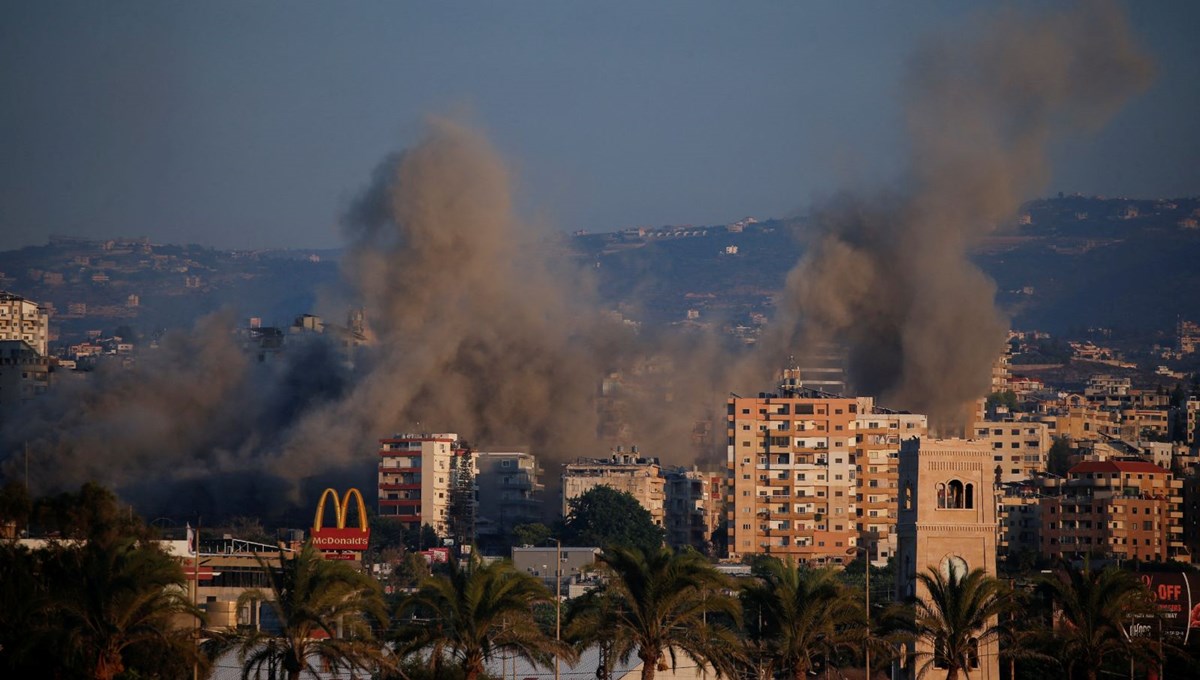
(340, 539)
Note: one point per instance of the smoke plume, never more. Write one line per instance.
(888, 274)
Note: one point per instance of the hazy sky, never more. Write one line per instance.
(252, 124)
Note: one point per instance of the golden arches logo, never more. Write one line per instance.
(341, 508)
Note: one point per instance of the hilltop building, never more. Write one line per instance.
(25, 320)
(428, 479)
(625, 471)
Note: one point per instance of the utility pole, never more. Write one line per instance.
(196, 601)
(557, 603)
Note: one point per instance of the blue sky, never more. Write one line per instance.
(251, 125)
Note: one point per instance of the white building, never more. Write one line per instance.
(22, 319)
(422, 476)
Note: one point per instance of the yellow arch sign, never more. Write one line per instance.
(341, 508)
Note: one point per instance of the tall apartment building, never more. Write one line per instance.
(428, 479)
(791, 462)
(691, 498)
(1126, 509)
(24, 375)
(879, 434)
(640, 477)
(1020, 448)
(22, 319)
(509, 491)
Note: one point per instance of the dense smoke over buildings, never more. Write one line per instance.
(888, 275)
(476, 331)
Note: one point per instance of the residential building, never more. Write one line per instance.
(22, 319)
(24, 374)
(1127, 509)
(639, 476)
(1020, 448)
(509, 491)
(947, 521)
(1018, 517)
(880, 433)
(427, 479)
(566, 569)
(690, 503)
(791, 463)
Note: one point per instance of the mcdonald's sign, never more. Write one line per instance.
(341, 542)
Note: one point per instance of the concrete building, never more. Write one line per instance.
(509, 490)
(1125, 509)
(694, 506)
(573, 574)
(947, 521)
(1020, 448)
(791, 462)
(22, 319)
(876, 460)
(24, 375)
(623, 471)
(421, 481)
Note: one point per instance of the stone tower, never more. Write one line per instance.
(947, 520)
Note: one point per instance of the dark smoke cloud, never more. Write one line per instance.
(888, 275)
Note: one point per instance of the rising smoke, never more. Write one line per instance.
(478, 331)
(888, 274)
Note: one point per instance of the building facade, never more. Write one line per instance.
(22, 319)
(1124, 509)
(423, 479)
(1020, 448)
(947, 522)
(509, 490)
(639, 476)
(690, 516)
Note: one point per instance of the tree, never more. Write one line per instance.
(659, 603)
(795, 615)
(1059, 456)
(605, 517)
(960, 614)
(531, 534)
(474, 611)
(15, 508)
(1093, 613)
(325, 609)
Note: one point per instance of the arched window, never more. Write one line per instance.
(943, 502)
(955, 492)
(973, 653)
(908, 496)
(970, 496)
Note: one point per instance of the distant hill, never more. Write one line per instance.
(1069, 263)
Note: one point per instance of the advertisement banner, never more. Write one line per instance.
(341, 542)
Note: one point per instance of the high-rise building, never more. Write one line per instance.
(1127, 509)
(879, 434)
(22, 319)
(24, 375)
(509, 492)
(428, 479)
(947, 521)
(639, 476)
(690, 501)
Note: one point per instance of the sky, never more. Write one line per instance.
(255, 124)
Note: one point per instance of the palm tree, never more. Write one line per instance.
(1093, 613)
(659, 603)
(114, 596)
(794, 615)
(960, 614)
(325, 609)
(474, 611)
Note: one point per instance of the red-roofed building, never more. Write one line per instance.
(1125, 509)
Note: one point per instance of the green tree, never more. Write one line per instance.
(796, 615)
(1059, 456)
(531, 534)
(605, 517)
(325, 609)
(658, 605)
(961, 614)
(472, 612)
(1093, 612)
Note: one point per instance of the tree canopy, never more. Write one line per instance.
(605, 517)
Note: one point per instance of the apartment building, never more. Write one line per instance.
(630, 472)
(1127, 509)
(1020, 448)
(24, 375)
(427, 479)
(879, 434)
(694, 500)
(791, 462)
(22, 319)
(509, 486)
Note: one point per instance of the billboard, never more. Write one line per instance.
(1177, 595)
(341, 542)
